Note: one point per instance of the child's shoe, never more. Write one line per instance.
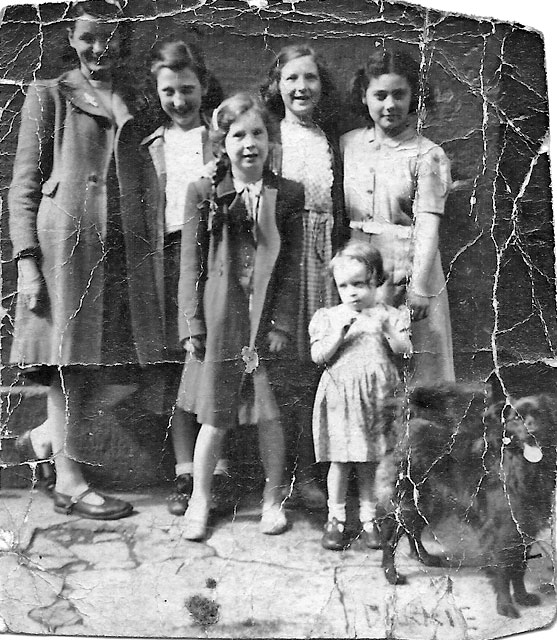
(370, 535)
(195, 522)
(177, 502)
(334, 537)
(273, 520)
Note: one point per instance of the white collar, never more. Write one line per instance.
(254, 188)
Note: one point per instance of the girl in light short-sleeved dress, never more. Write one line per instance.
(396, 183)
(354, 404)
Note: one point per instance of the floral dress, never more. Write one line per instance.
(354, 404)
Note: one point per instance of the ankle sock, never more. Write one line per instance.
(183, 468)
(221, 468)
(337, 511)
(367, 511)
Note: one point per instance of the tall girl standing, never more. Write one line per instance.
(396, 185)
(299, 91)
(178, 151)
(87, 297)
(241, 248)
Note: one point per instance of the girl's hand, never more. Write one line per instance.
(419, 305)
(277, 341)
(30, 283)
(196, 346)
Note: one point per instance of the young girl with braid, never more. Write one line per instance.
(238, 294)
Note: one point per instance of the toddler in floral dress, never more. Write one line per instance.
(353, 411)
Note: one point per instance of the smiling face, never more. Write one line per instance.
(97, 46)
(247, 146)
(300, 88)
(180, 94)
(355, 288)
(388, 99)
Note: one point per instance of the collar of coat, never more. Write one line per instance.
(75, 88)
(226, 186)
(155, 142)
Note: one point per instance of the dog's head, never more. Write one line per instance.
(527, 425)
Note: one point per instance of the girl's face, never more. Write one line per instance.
(180, 94)
(355, 287)
(300, 87)
(247, 146)
(97, 46)
(388, 100)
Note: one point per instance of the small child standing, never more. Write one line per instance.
(352, 418)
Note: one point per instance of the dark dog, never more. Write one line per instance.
(494, 468)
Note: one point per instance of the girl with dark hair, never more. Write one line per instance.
(178, 151)
(239, 275)
(299, 91)
(87, 298)
(396, 183)
(353, 417)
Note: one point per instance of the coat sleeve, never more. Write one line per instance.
(193, 266)
(285, 303)
(32, 166)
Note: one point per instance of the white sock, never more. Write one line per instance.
(337, 511)
(183, 468)
(222, 467)
(367, 511)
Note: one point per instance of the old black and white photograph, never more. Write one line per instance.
(279, 329)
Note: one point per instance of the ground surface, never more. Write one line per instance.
(136, 577)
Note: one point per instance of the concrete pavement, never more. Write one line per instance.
(139, 577)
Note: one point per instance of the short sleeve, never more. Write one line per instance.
(434, 182)
(319, 326)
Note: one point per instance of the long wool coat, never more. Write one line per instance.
(58, 203)
(211, 300)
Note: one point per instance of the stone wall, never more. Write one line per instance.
(490, 116)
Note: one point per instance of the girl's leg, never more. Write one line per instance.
(271, 449)
(207, 450)
(337, 487)
(366, 481)
(183, 431)
(64, 403)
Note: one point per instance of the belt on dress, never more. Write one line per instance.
(378, 228)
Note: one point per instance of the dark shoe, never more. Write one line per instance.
(46, 476)
(370, 536)
(222, 493)
(110, 509)
(334, 537)
(177, 502)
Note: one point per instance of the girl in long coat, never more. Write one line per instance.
(238, 292)
(86, 280)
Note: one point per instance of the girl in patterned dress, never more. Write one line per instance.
(300, 92)
(353, 412)
(396, 183)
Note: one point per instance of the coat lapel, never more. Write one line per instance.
(268, 248)
(79, 92)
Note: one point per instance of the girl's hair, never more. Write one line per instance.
(176, 54)
(366, 254)
(224, 116)
(104, 11)
(384, 60)
(328, 109)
